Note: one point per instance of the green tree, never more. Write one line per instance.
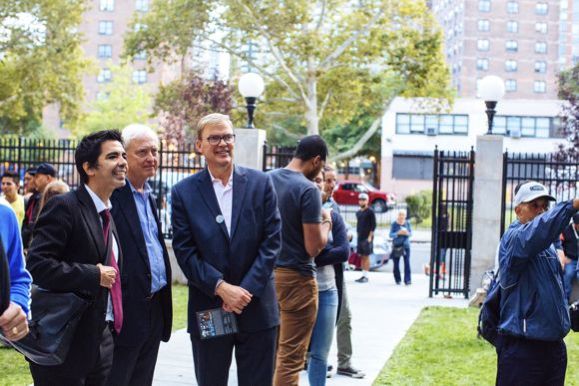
(119, 104)
(327, 62)
(41, 62)
(569, 92)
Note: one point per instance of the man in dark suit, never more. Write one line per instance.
(75, 248)
(147, 272)
(226, 237)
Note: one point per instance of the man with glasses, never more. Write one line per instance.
(534, 318)
(226, 237)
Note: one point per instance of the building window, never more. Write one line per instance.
(541, 28)
(484, 5)
(105, 27)
(511, 46)
(141, 55)
(105, 51)
(107, 5)
(512, 26)
(139, 27)
(104, 76)
(142, 5)
(510, 65)
(541, 8)
(432, 124)
(539, 86)
(540, 48)
(540, 67)
(511, 85)
(512, 7)
(139, 76)
(484, 25)
(482, 64)
(533, 127)
(483, 44)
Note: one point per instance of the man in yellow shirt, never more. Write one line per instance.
(10, 185)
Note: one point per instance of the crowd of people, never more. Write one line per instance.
(103, 242)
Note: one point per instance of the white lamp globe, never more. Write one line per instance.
(251, 85)
(491, 88)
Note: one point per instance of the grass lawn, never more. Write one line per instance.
(14, 369)
(441, 348)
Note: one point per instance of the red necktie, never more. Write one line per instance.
(116, 294)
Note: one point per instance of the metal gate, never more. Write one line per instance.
(452, 201)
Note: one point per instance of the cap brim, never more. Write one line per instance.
(539, 195)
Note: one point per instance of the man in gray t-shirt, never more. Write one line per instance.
(305, 229)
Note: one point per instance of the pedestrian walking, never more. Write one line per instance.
(400, 232)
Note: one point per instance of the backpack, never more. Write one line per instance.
(490, 312)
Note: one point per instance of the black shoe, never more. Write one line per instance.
(363, 279)
(351, 372)
(397, 283)
(409, 283)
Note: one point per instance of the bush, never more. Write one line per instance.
(419, 205)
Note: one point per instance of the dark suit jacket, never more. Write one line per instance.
(206, 253)
(68, 242)
(136, 279)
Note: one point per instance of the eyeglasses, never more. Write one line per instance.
(216, 139)
(538, 205)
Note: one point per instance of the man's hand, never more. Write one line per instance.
(235, 298)
(108, 275)
(14, 323)
(403, 232)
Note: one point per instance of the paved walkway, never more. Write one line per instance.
(382, 313)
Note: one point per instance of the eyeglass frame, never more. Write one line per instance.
(212, 138)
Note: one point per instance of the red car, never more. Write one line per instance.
(347, 192)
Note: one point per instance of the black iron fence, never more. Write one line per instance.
(175, 163)
(561, 177)
(275, 157)
(452, 201)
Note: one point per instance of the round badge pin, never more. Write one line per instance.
(219, 219)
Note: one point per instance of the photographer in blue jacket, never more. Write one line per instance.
(534, 317)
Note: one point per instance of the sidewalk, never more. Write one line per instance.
(382, 313)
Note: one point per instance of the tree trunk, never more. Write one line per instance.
(312, 103)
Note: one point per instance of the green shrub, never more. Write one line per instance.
(419, 205)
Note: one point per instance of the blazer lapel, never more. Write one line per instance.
(129, 210)
(239, 185)
(92, 219)
(205, 187)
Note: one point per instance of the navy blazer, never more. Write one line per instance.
(136, 277)
(206, 253)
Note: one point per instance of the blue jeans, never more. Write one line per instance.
(569, 276)
(396, 261)
(322, 336)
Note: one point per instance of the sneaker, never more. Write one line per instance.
(363, 279)
(351, 372)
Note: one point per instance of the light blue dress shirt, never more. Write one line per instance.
(151, 234)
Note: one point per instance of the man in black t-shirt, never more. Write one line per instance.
(365, 228)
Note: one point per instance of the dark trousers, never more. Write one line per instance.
(254, 354)
(97, 376)
(135, 365)
(525, 362)
(396, 262)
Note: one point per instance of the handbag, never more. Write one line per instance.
(398, 251)
(574, 316)
(55, 317)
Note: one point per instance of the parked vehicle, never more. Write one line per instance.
(347, 192)
(377, 259)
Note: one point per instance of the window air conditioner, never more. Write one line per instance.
(431, 131)
(515, 133)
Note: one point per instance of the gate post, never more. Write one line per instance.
(248, 150)
(487, 203)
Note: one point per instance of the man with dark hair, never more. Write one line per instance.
(534, 317)
(226, 237)
(148, 311)
(43, 175)
(305, 233)
(365, 227)
(10, 186)
(76, 248)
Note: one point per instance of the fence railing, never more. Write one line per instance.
(275, 157)
(561, 177)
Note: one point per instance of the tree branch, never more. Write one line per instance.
(322, 15)
(324, 104)
(286, 131)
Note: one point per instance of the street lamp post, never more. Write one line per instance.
(250, 87)
(491, 90)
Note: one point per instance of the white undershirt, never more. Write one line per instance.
(224, 194)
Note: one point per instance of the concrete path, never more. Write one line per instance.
(382, 313)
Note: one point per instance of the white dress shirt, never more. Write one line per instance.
(224, 194)
(100, 206)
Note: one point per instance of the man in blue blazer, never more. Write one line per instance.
(226, 237)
